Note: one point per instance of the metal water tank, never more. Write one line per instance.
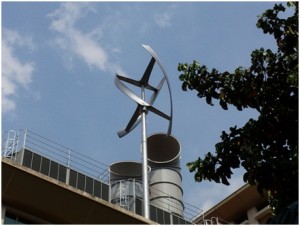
(126, 184)
(165, 177)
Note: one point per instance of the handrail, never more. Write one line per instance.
(90, 167)
(63, 155)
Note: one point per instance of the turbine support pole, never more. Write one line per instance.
(145, 159)
(139, 116)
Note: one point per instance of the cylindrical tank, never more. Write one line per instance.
(165, 178)
(126, 184)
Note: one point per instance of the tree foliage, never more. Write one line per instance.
(267, 147)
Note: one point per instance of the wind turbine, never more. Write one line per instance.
(141, 111)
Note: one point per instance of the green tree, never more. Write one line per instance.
(267, 148)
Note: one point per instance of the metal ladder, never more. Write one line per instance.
(212, 221)
(123, 195)
(10, 144)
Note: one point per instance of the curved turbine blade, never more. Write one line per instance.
(145, 79)
(129, 80)
(124, 89)
(158, 112)
(136, 117)
(153, 54)
(133, 122)
(155, 94)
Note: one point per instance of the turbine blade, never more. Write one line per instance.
(124, 89)
(145, 79)
(153, 54)
(158, 112)
(122, 133)
(129, 80)
(151, 88)
(134, 118)
(155, 94)
(133, 122)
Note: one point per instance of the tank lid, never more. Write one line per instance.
(127, 169)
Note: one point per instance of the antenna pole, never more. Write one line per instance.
(145, 158)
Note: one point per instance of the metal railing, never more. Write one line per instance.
(68, 157)
(215, 221)
(14, 142)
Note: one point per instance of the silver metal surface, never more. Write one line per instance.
(165, 177)
(125, 170)
(136, 117)
(126, 184)
(141, 111)
(145, 160)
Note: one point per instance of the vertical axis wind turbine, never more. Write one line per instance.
(141, 111)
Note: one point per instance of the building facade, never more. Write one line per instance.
(43, 182)
(244, 206)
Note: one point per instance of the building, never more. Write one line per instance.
(45, 182)
(31, 197)
(244, 206)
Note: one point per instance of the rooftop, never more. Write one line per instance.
(50, 162)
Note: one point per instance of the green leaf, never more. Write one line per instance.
(184, 86)
(191, 166)
(198, 177)
(267, 148)
(208, 100)
(182, 77)
(245, 177)
(223, 105)
(224, 180)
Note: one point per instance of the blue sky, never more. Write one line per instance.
(59, 62)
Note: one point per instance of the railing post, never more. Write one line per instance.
(6, 144)
(24, 145)
(171, 218)
(68, 167)
(134, 196)
(13, 145)
(17, 136)
(25, 137)
(69, 158)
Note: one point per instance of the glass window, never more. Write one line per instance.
(36, 162)
(167, 219)
(181, 221)
(105, 192)
(81, 181)
(138, 206)
(73, 178)
(45, 166)
(160, 216)
(27, 158)
(175, 220)
(62, 173)
(89, 185)
(153, 213)
(97, 189)
(53, 170)
(11, 218)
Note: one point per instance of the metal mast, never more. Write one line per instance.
(141, 111)
(145, 159)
